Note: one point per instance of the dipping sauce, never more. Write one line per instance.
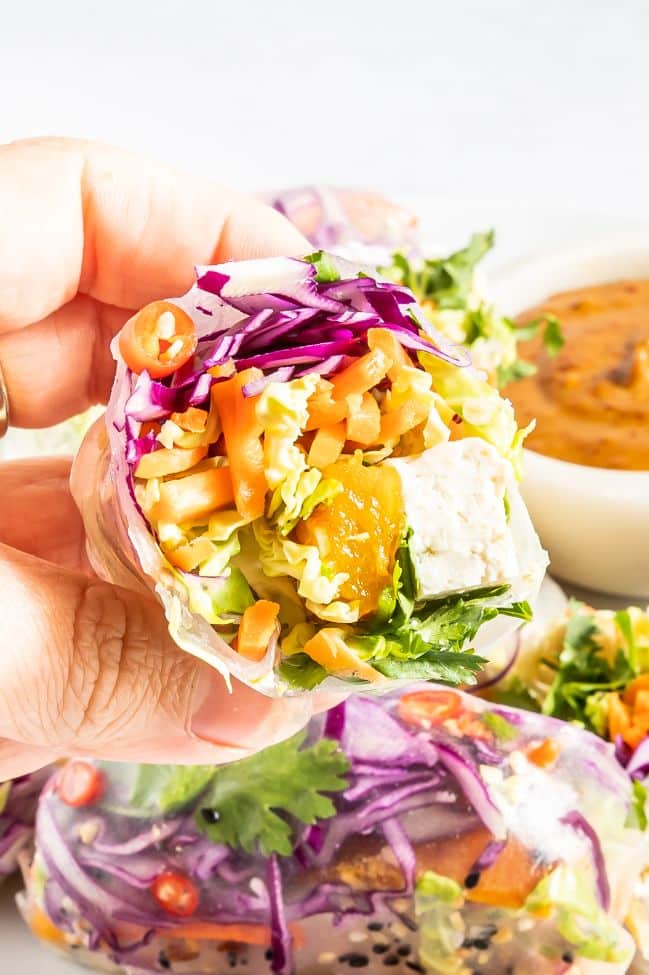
(591, 401)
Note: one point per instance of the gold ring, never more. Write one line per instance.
(4, 406)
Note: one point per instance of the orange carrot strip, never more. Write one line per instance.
(194, 496)
(328, 648)
(364, 421)
(362, 375)
(256, 629)
(242, 432)
(545, 753)
(327, 445)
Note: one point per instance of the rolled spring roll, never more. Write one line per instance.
(421, 832)
(317, 486)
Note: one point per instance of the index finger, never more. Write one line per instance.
(83, 217)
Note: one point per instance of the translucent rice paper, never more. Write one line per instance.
(121, 546)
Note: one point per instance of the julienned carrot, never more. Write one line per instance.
(323, 410)
(257, 628)
(242, 432)
(362, 375)
(188, 557)
(399, 421)
(544, 753)
(174, 460)
(194, 496)
(192, 419)
(328, 648)
(248, 934)
(387, 342)
(364, 420)
(327, 445)
(43, 928)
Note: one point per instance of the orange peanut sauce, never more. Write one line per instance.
(591, 400)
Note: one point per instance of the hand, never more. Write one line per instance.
(87, 236)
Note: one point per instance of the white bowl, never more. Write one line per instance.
(593, 522)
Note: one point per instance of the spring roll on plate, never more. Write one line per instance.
(419, 832)
(315, 483)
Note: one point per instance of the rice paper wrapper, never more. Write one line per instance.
(450, 852)
(121, 545)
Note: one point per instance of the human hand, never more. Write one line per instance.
(87, 236)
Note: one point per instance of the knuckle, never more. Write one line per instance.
(120, 675)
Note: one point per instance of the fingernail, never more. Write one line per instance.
(243, 718)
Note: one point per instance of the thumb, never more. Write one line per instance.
(89, 668)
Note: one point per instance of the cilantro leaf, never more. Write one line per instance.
(326, 270)
(519, 369)
(427, 640)
(553, 338)
(299, 670)
(168, 788)
(583, 674)
(444, 667)
(446, 281)
(251, 804)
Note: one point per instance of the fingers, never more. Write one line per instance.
(73, 342)
(38, 514)
(79, 216)
(89, 233)
(89, 668)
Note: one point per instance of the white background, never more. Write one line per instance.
(531, 116)
(540, 102)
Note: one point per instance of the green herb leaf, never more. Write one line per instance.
(553, 338)
(445, 281)
(299, 670)
(584, 674)
(519, 369)
(326, 270)
(253, 803)
(167, 789)
(442, 666)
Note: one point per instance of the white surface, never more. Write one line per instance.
(594, 522)
(540, 102)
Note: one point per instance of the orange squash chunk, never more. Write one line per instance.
(358, 531)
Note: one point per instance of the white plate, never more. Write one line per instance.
(518, 233)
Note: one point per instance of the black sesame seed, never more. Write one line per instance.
(391, 960)
(354, 960)
(268, 954)
(163, 961)
(375, 926)
(472, 880)
(210, 815)
(404, 950)
(380, 948)
(232, 959)
(414, 966)
(568, 957)
(481, 944)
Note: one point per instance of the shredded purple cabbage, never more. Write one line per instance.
(406, 787)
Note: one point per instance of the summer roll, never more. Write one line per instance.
(419, 832)
(18, 799)
(315, 483)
